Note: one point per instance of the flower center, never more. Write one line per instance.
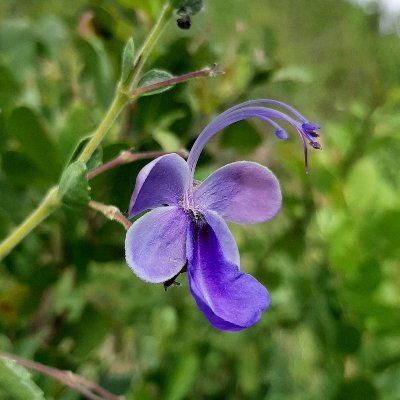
(195, 215)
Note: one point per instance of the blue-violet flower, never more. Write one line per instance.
(186, 229)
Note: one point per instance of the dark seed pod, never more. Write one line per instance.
(184, 21)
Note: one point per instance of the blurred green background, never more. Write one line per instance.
(330, 259)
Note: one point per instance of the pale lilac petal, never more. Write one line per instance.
(241, 192)
(230, 299)
(155, 244)
(162, 181)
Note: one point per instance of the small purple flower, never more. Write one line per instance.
(186, 229)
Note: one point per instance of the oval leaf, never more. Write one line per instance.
(127, 60)
(74, 188)
(16, 382)
(25, 126)
(152, 77)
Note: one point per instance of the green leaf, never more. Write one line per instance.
(16, 383)
(127, 60)
(99, 66)
(367, 189)
(155, 76)
(9, 87)
(54, 41)
(247, 365)
(95, 160)
(74, 128)
(19, 168)
(74, 188)
(90, 331)
(17, 46)
(348, 339)
(167, 140)
(182, 377)
(68, 299)
(357, 389)
(25, 126)
(369, 273)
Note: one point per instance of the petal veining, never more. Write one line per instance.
(243, 192)
(162, 181)
(230, 299)
(155, 245)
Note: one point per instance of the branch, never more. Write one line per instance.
(209, 71)
(166, 14)
(111, 212)
(121, 98)
(67, 378)
(126, 157)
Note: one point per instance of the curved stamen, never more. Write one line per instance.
(279, 132)
(226, 119)
(306, 130)
(272, 102)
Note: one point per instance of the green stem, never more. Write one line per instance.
(111, 212)
(45, 208)
(118, 104)
(145, 50)
(121, 99)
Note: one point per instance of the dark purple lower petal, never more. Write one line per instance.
(230, 299)
(226, 241)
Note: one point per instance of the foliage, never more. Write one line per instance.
(330, 259)
(15, 382)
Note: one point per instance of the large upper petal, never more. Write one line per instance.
(241, 192)
(155, 245)
(162, 181)
(230, 299)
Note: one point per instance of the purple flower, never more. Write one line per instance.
(186, 229)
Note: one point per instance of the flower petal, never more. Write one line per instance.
(226, 241)
(230, 299)
(155, 244)
(162, 181)
(243, 192)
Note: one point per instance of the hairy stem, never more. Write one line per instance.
(44, 209)
(145, 50)
(121, 99)
(126, 157)
(81, 385)
(118, 104)
(111, 212)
